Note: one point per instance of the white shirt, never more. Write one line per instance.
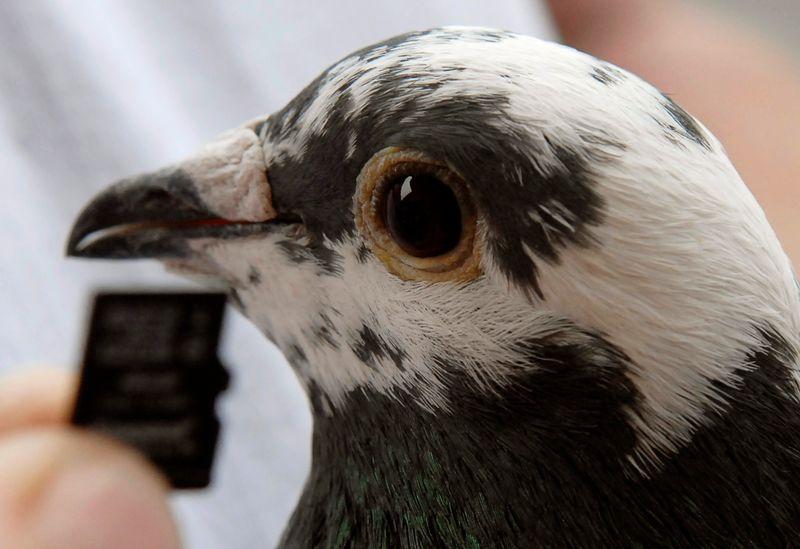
(92, 91)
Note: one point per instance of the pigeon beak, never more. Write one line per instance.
(222, 192)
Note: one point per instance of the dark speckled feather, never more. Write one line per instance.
(540, 464)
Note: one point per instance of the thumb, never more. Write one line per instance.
(65, 487)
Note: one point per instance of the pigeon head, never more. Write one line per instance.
(460, 220)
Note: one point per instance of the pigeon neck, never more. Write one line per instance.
(386, 469)
(540, 462)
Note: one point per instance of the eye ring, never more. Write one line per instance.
(461, 262)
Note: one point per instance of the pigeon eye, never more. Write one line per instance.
(422, 214)
(417, 216)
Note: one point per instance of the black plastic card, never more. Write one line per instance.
(151, 376)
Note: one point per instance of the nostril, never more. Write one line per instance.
(157, 195)
(177, 197)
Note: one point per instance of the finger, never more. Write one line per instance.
(35, 398)
(70, 488)
(580, 18)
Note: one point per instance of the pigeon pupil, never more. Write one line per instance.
(422, 215)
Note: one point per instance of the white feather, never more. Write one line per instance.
(685, 266)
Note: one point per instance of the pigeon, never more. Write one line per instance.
(529, 298)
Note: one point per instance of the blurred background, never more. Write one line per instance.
(778, 19)
(95, 90)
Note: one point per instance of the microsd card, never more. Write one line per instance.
(151, 376)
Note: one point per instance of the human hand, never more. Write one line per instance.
(65, 487)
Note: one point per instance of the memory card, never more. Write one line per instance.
(151, 376)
